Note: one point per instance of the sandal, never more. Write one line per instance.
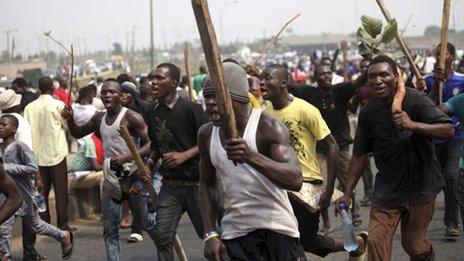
(360, 254)
(66, 250)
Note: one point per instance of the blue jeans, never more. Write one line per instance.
(111, 213)
(171, 204)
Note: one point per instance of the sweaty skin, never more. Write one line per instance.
(275, 159)
(111, 98)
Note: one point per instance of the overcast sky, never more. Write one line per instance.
(92, 24)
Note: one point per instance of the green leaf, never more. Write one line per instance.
(372, 25)
(364, 35)
(365, 51)
(390, 31)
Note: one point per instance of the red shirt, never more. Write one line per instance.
(63, 95)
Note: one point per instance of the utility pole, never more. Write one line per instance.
(13, 45)
(152, 48)
(8, 53)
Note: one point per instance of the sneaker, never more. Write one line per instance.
(134, 237)
(451, 232)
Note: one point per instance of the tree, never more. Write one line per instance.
(117, 49)
(432, 30)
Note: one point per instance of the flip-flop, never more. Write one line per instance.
(66, 251)
(354, 256)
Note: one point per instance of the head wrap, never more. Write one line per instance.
(236, 82)
(132, 89)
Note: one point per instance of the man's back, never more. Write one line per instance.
(48, 130)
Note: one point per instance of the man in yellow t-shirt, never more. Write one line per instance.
(306, 127)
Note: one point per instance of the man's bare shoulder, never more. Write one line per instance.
(133, 116)
(205, 131)
(98, 116)
(271, 128)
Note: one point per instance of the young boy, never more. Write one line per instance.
(20, 165)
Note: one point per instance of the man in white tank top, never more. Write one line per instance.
(106, 124)
(255, 173)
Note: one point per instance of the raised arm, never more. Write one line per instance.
(80, 131)
(13, 196)
(276, 159)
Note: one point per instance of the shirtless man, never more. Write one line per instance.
(255, 173)
(106, 125)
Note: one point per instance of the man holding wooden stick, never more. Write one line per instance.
(173, 123)
(409, 174)
(255, 173)
(448, 152)
(118, 163)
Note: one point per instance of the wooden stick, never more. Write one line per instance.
(443, 45)
(72, 74)
(401, 43)
(334, 59)
(145, 176)
(213, 59)
(187, 69)
(344, 46)
(274, 38)
(143, 173)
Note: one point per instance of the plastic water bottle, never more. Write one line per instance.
(349, 238)
(41, 203)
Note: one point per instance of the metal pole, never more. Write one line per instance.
(152, 48)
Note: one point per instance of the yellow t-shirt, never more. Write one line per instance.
(306, 127)
(254, 103)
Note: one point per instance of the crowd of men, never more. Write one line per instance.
(248, 197)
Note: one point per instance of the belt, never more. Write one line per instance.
(179, 182)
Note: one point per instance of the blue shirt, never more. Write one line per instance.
(453, 86)
(456, 107)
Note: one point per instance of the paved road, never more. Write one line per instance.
(90, 245)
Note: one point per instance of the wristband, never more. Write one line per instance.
(210, 235)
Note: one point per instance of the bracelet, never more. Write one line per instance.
(210, 235)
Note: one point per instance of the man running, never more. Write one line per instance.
(409, 174)
(333, 102)
(255, 173)
(19, 164)
(118, 156)
(173, 124)
(306, 128)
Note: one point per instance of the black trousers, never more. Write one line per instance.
(171, 203)
(308, 225)
(265, 245)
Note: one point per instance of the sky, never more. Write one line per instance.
(95, 24)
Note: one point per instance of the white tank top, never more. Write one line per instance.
(113, 143)
(251, 200)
